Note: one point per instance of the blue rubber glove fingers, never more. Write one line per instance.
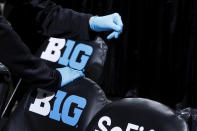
(118, 21)
(113, 35)
(106, 23)
(69, 75)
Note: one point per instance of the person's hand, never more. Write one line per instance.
(69, 75)
(111, 22)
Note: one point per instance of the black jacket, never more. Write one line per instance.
(18, 58)
(34, 20)
(46, 19)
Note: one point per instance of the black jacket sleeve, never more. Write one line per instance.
(50, 19)
(18, 58)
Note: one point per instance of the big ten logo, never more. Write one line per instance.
(62, 107)
(75, 55)
(107, 120)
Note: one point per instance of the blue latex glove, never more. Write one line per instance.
(111, 22)
(69, 75)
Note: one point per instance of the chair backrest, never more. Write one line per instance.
(136, 114)
(71, 108)
(87, 56)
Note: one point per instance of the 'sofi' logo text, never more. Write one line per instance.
(107, 120)
(42, 106)
(73, 56)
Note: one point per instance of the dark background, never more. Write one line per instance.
(155, 57)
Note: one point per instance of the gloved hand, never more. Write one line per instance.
(69, 75)
(111, 22)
